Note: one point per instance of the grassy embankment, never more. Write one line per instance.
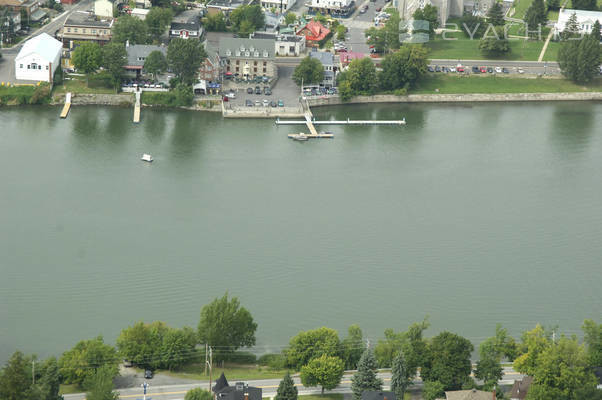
(77, 84)
(457, 84)
(17, 95)
(232, 372)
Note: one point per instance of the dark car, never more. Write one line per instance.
(257, 90)
(148, 374)
(437, 68)
(250, 90)
(505, 70)
(490, 70)
(267, 91)
(273, 104)
(249, 103)
(430, 69)
(475, 69)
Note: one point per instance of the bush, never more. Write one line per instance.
(179, 97)
(274, 361)
(198, 394)
(58, 76)
(101, 80)
(16, 95)
(241, 357)
(41, 94)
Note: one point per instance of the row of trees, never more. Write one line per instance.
(579, 56)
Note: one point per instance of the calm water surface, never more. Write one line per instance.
(470, 214)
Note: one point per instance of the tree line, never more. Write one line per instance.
(562, 367)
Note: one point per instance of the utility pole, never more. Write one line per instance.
(33, 372)
(206, 358)
(210, 363)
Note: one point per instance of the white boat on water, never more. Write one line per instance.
(147, 158)
(300, 137)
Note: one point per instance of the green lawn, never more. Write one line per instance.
(78, 85)
(68, 389)
(466, 49)
(456, 84)
(232, 372)
(551, 51)
(521, 8)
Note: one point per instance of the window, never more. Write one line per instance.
(28, 66)
(291, 49)
(68, 29)
(20, 65)
(265, 63)
(255, 69)
(256, 54)
(237, 62)
(39, 67)
(84, 30)
(228, 53)
(264, 70)
(75, 30)
(94, 31)
(255, 63)
(47, 68)
(237, 69)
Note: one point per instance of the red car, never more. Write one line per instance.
(460, 69)
(483, 70)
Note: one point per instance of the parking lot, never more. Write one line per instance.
(490, 68)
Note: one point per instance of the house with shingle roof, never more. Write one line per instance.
(521, 388)
(314, 33)
(248, 58)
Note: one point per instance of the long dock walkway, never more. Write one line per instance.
(308, 121)
(67, 105)
(137, 108)
(310, 125)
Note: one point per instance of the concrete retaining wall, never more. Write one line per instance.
(97, 99)
(457, 98)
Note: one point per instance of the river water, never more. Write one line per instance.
(472, 215)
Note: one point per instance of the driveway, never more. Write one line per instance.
(7, 67)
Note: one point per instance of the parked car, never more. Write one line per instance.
(490, 70)
(257, 103)
(273, 104)
(475, 69)
(225, 98)
(257, 90)
(505, 70)
(521, 71)
(452, 69)
(231, 95)
(267, 91)
(280, 103)
(266, 102)
(483, 70)
(498, 70)
(437, 68)
(250, 90)
(148, 374)
(248, 103)
(460, 69)
(430, 69)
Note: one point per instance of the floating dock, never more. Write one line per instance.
(137, 108)
(316, 135)
(67, 105)
(310, 123)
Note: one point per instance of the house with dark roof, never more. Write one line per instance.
(377, 395)
(247, 58)
(314, 32)
(520, 388)
(285, 45)
(85, 27)
(137, 54)
(224, 6)
(327, 60)
(240, 391)
(186, 30)
(210, 66)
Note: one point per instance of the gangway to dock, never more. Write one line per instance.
(67, 105)
(137, 108)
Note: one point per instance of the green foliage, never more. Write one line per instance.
(361, 76)
(472, 26)
(101, 385)
(553, 4)
(102, 79)
(41, 94)
(310, 70)
(286, 389)
(495, 15)
(341, 30)
(325, 371)
(345, 91)
(225, 323)
(493, 43)
(87, 57)
(184, 57)
(14, 379)
(290, 18)
(499, 346)
(48, 384)
(216, 23)
(448, 360)
(155, 63)
(401, 376)
(127, 27)
(597, 31)
(274, 361)
(592, 337)
(489, 370)
(198, 394)
(579, 59)
(533, 343)
(247, 19)
(57, 79)
(307, 345)
(24, 18)
(114, 58)
(365, 377)
(352, 347)
(79, 364)
(571, 29)
(536, 17)
(584, 4)
(180, 96)
(376, 37)
(433, 390)
(411, 342)
(403, 68)
(157, 20)
(428, 13)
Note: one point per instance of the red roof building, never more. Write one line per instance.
(314, 33)
(347, 57)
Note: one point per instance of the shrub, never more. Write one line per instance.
(274, 361)
(101, 80)
(41, 94)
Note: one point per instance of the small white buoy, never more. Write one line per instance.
(147, 158)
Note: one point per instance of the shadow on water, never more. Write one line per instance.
(119, 123)
(572, 129)
(186, 135)
(154, 124)
(85, 122)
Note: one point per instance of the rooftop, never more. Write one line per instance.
(226, 4)
(189, 26)
(472, 394)
(316, 31)
(277, 37)
(246, 48)
(325, 57)
(137, 51)
(44, 45)
(86, 19)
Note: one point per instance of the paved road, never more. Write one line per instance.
(269, 387)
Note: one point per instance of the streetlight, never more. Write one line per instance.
(145, 386)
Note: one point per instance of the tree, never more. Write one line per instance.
(224, 322)
(536, 17)
(553, 4)
(341, 31)
(178, 345)
(307, 345)
(499, 346)
(403, 68)
(80, 363)
(310, 70)
(361, 75)
(101, 385)
(472, 26)
(184, 57)
(87, 58)
(579, 60)
(365, 377)
(571, 29)
(157, 20)
(352, 347)
(597, 31)
(290, 18)
(495, 15)
(198, 394)
(489, 370)
(584, 4)
(129, 28)
(286, 389)
(114, 58)
(252, 14)
(433, 390)
(155, 63)
(401, 376)
(325, 371)
(216, 23)
(493, 43)
(592, 337)
(376, 37)
(14, 379)
(49, 383)
(24, 18)
(533, 343)
(448, 360)
(430, 14)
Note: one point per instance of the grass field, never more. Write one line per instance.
(456, 84)
(465, 49)
(78, 85)
(232, 372)
(520, 7)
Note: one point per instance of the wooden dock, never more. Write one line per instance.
(137, 108)
(67, 106)
(310, 123)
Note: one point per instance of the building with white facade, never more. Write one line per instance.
(38, 59)
(336, 8)
(103, 8)
(285, 45)
(585, 20)
(280, 5)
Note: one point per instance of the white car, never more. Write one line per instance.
(498, 70)
(452, 69)
(231, 95)
(521, 71)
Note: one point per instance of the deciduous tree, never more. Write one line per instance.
(129, 28)
(433, 390)
(155, 63)
(473, 26)
(114, 58)
(403, 68)
(309, 71)
(101, 385)
(307, 345)
(184, 57)
(252, 14)
(365, 377)
(533, 343)
(430, 14)
(352, 347)
(324, 371)
(87, 58)
(592, 337)
(81, 362)
(49, 382)
(157, 20)
(448, 360)
(493, 43)
(216, 23)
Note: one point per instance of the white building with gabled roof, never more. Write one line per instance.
(38, 59)
(585, 20)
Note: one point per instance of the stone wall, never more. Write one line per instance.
(457, 98)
